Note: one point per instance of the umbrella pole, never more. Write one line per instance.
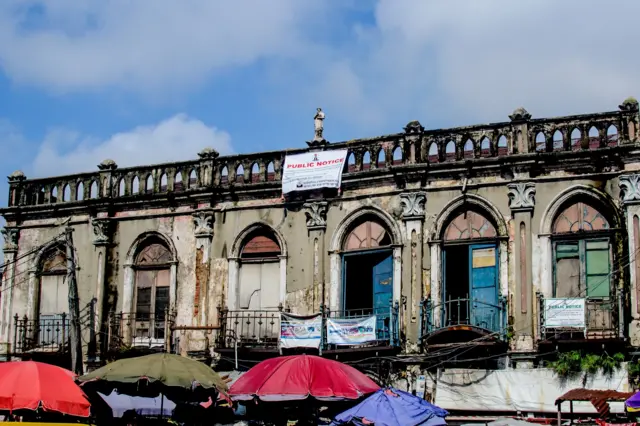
(161, 406)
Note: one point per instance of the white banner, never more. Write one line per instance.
(313, 170)
(564, 313)
(355, 331)
(300, 332)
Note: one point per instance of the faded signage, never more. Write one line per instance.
(313, 170)
(354, 331)
(300, 331)
(564, 313)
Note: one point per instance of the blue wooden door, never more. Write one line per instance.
(483, 273)
(383, 295)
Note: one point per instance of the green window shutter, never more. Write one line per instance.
(598, 268)
(567, 270)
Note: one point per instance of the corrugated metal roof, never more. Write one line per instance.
(599, 398)
(590, 394)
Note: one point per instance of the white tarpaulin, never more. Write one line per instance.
(300, 332)
(527, 390)
(351, 331)
(313, 170)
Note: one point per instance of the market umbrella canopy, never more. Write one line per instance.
(30, 385)
(289, 378)
(393, 407)
(165, 369)
(633, 403)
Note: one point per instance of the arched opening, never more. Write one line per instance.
(558, 141)
(135, 186)
(350, 166)
(397, 156)
(53, 308)
(576, 140)
(485, 147)
(164, 186)
(149, 185)
(152, 267)
(271, 172)
(470, 278)
(240, 174)
(541, 142)
(80, 192)
(121, 188)
(66, 193)
(468, 149)
(450, 151)
(366, 161)
(93, 190)
(224, 175)
(594, 138)
(193, 179)
(502, 145)
(367, 270)
(177, 181)
(382, 158)
(433, 152)
(582, 261)
(259, 274)
(255, 173)
(612, 136)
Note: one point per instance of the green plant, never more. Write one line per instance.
(574, 363)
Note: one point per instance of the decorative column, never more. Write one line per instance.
(203, 220)
(413, 212)
(106, 185)
(519, 143)
(522, 202)
(101, 240)
(630, 199)
(413, 132)
(316, 213)
(10, 249)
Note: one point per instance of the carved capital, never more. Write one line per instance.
(107, 165)
(316, 215)
(101, 233)
(519, 115)
(522, 196)
(629, 189)
(413, 204)
(10, 236)
(203, 223)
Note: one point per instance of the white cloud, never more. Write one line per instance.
(175, 139)
(143, 45)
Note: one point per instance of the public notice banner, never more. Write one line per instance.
(313, 170)
(300, 331)
(564, 313)
(354, 331)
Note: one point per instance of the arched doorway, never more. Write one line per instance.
(259, 271)
(367, 270)
(470, 277)
(582, 261)
(152, 292)
(53, 301)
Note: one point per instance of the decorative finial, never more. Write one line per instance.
(108, 164)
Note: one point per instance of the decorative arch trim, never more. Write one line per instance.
(143, 238)
(576, 191)
(346, 225)
(38, 259)
(236, 249)
(484, 205)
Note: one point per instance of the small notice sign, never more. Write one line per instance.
(564, 313)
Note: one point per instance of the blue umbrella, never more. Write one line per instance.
(393, 407)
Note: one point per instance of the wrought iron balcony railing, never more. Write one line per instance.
(260, 329)
(592, 318)
(139, 330)
(463, 313)
(48, 333)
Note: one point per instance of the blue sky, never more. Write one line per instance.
(157, 80)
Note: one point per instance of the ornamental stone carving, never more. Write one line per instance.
(100, 231)
(413, 204)
(630, 188)
(10, 236)
(520, 114)
(316, 215)
(522, 196)
(203, 223)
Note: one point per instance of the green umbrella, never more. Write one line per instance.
(159, 369)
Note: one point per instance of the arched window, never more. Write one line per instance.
(153, 274)
(367, 235)
(471, 270)
(259, 284)
(468, 225)
(582, 252)
(54, 297)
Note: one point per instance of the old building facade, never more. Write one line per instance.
(450, 237)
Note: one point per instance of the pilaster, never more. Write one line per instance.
(522, 203)
(203, 220)
(413, 213)
(316, 213)
(630, 200)
(11, 236)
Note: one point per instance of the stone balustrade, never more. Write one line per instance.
(522, 135)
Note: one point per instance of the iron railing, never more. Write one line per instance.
(140, 330)
(260, 329)
(463, 312)
(601, 320)
(48, 333)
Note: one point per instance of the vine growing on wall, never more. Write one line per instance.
(575, 364)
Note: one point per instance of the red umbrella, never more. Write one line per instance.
(31, 385)
(288, 378)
